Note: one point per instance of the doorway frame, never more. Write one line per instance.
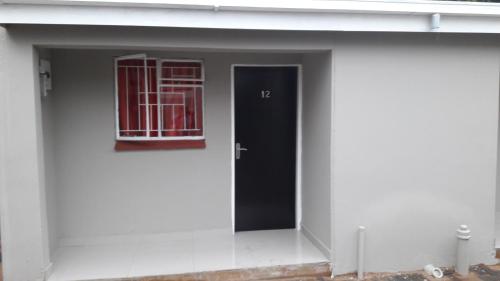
(298, 149)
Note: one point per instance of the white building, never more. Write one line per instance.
(381, 114)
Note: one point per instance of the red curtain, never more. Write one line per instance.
(131, 97)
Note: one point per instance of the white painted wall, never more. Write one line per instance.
(3, 116)
(497, 218)
(316, 118)
(497, 209)
(414, 145)
(102, 192)
(415, 152)
(24, 224)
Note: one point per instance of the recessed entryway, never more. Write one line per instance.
(144, 199)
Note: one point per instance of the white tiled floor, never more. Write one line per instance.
(197, 251)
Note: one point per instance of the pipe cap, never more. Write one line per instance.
(463, 232)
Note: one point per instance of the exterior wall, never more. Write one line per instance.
(3, 116)
(415, 152)
(24, 228)
(414, 144)
(101, 192)
(497, 215)
(316, 118)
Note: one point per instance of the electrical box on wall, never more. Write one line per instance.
(45, 77)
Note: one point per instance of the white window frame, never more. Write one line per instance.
(159, 84)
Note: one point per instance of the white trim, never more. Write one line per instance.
(298, 143)
(298, 152)
(233, 162)
(131, 57)
(146, 93)
(340, 15)
(159, 120)
(316, 242)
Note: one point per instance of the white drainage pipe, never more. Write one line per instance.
(462, 265)
(433, 271)
(361, 252)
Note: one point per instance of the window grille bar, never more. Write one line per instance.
(138, 99)
(193, 67)
(177, 130)
(158, 99)
(152, 104)
(126, 97)
(173, 116)
(150, 84)
(181, 85)
(146, 89)
(195, 110)
(188, 78)
(133, 66)
(185, 108)
(151, 114)
(164, 93)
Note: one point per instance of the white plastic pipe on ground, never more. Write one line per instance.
(462, 265)
(433, 271)
(361, 252)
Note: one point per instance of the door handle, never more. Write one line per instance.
(238, 150)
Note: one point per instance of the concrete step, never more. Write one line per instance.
(301, 272)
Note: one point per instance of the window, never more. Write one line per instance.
(159, 103)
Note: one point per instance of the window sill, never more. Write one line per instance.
(158, 145)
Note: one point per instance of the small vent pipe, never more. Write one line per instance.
(462, 265)
(361, 252)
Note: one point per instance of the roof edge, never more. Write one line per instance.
(318, 6)
(310, 15)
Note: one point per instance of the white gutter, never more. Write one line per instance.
(321, 6)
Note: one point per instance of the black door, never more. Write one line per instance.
(265, 116)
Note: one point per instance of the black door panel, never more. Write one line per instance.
(265, 116)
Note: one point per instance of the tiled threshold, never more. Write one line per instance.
(194, 255)
(304, 272)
